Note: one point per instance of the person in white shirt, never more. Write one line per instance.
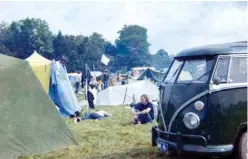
(77, 83)
(98, 115)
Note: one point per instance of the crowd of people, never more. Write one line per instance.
(100, 83)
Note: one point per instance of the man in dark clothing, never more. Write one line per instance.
(105, 80)
(91, 97)
(118, 77)
(126, 79)
(123, 82)
(143, 112)
(83, 80)
(85, 75)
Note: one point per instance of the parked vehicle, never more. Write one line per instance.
(203, 102)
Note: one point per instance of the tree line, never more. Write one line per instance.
(131, 48)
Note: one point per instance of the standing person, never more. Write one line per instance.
(99, 85)
(77, 83)
(90, 97)
(143, 112)
(63, 61)
(118, 78)
(127, 79)
(123, 82)
(105, 79)
(83, 77)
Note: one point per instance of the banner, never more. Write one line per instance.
(105, 60)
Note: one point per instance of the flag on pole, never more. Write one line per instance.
(105, 60)
(85, 75)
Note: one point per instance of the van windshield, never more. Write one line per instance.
(196, 70)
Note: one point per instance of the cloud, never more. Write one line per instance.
(172, 26)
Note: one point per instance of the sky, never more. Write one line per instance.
(172, 26)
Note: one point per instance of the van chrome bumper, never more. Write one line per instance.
(197, 144)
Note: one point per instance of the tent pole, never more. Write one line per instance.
(93, 67)
(125, 96)
(86, 94)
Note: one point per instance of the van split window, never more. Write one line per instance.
(238, 70)
(222, 68)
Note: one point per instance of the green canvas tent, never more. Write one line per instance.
(30, 123)
(153, 75)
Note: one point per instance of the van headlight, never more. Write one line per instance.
(191, 120)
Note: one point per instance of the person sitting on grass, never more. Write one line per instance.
(143, 112)
(98, 115)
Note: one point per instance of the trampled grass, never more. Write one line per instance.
(111, 138)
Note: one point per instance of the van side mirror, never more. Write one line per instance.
(217, 80)
(161, 85)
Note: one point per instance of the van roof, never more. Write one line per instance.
(239, 47)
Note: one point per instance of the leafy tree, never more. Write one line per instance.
(3, 35)
(131, 49)
(59, 46)
(25, 36)
(161, 59)
(80, 50)
(3, 31)
(132, 42)
(110, 49)
(69, 50)
(93, 49)
(97, 46)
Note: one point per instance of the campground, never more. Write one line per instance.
(111, 138)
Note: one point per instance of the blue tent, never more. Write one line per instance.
(62, 92)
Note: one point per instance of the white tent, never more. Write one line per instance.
(95, 73)
(118, 95)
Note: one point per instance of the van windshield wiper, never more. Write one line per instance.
(204, 74)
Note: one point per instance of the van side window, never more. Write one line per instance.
(221, 72)
(238, 70)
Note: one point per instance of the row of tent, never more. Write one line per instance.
(30, 123)
(126, 94)
(149, 73)
(54, 79)
(32, 90)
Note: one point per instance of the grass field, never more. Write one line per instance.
(112, 138)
